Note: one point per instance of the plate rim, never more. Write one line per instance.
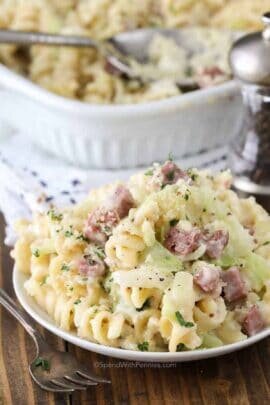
(39, 315)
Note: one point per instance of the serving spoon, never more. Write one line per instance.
(117, 50)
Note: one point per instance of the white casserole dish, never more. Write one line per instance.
(116, 136)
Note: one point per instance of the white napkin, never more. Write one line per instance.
(30, 179)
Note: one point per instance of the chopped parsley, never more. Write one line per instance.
(192, 175)
(170, 157)
(186, 196)
(107, 230)
(54, 216)
(143, 347)
(65, 267)
(149, 172)
(82, 237)
(173, 222)
(77, 302)
(43, 363)
(204, 210)
(99, 251)
(266, 243)
(182, 321)
(181, 347)
(69, 233)
(36, 252)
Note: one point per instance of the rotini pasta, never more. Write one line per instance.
(83, 74)
(171, 260)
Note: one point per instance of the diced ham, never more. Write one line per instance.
(209, 76)
(213, 71)
(89, 268)
(215, 243)
(253, 321)
(101, 221)
(207, 278)
(182, 242)
(171, 173)
(235, 288)
(120, 201)
(100, 224)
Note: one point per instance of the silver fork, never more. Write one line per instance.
(52, 370)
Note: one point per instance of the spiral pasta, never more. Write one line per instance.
(82, 74)
(179, 267)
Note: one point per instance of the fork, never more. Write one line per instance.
(52, 369)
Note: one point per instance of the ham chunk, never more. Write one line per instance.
(121, 201)
(182, 242)
(253, 322)
(213, 71)
(207, 278)
(90, 268)
(215, 243)
(100, 224)
(102, 220)
(171, 173)
(210, 76)
(235, 288)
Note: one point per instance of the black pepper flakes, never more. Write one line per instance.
(43, 183)
(75, 182)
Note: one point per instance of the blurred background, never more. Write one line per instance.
(65, 113)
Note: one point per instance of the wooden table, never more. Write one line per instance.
(240, 378)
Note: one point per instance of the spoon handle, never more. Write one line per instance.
(21, 316)
(34, 38)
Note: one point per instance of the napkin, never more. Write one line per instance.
(32, 180)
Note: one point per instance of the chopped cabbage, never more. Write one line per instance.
(161, 259)
(257, 270)
(210, 340)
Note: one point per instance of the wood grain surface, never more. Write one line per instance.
(240, 378)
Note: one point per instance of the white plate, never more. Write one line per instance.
(43, 319)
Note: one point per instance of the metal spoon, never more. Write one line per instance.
(117, 50)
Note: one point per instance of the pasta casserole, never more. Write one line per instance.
(83, 73)
(171, 260)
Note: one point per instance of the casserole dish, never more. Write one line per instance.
(118, 136)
